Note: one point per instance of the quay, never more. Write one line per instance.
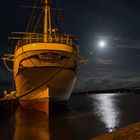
(9, 101)
(130, 132)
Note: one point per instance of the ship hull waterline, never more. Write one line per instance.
(54, 89)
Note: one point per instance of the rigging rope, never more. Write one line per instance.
(30, 19)
(7, 66)
(64, 27)
(35, 28)
(35, 88)
(61, 30)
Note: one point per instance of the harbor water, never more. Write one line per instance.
(88, 116)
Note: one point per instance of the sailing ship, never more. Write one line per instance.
(45, 64)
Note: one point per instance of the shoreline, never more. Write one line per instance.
(129, 132)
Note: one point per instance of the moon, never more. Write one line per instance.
(102, 43)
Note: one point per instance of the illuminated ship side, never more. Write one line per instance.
(45, 66)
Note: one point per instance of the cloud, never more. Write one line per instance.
(127, 43)
(104, 62)
(101, 78)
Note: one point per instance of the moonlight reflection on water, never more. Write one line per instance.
(107, 110)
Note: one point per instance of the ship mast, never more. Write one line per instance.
(47, 20)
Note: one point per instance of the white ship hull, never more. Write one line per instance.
(44, 71)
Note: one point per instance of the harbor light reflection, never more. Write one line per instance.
(107, 110)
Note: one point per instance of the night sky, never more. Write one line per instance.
(117, 22)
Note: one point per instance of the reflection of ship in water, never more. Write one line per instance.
(45, 63)
(35, 125)
(31, 125)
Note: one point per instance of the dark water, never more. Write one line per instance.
(89, 116)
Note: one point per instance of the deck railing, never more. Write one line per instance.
(53, 38)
